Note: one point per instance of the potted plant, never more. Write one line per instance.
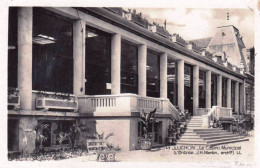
(172, 134)
(215, 123)
(40, 138)
(146, 141)
(75, 131)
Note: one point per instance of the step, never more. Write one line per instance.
(194, 125)
(228, 141)
(214, 134)
(191, 143)
(195, 120)
(192, 128)
(207, 129)
(192, 122)
(218, 136)
(190, 134)
(191, 140)
(209, 132)
(190, 137)
(196, 117)
(222, 139)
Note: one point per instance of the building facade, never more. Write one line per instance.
(103, 66)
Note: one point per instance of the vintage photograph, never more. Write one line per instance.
(118, 84)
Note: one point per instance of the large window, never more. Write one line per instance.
(56, 132)
(224, 92)
(98, 62)
(233, 95)
(129, 72)
(214, 90)
(153, 74)
(172, 86)
(12, 48)
(52, 52)
(202, 89)
(188, 88)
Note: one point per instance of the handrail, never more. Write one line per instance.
(212, 113)
(173, 110)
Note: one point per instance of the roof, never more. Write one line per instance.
(125, 24)
(202, 43)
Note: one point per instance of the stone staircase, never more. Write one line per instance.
(195, 134)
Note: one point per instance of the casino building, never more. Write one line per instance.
(103, 66)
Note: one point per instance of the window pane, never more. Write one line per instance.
(153, 74)
(213, 90)
(129, 73)
(172, 81)
(188, 88)
(233, 95)
(224, 92)
(52, 52)
(12, 48)
(202, 89)
(98, 62)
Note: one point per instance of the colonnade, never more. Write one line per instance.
(25, 68)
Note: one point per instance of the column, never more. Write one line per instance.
(181, 84)
(195, 89)
(229, 93)
(142, 56)
(219, 91)
(163, 75)
(242, 98)
(237, 97)
(208, 89)
(25, 56)
(79, 57)
(115, 63)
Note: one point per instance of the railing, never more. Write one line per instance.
(177, 39)
(137, 18)
(125, 103)
(120, 103)
(161, 31)
(173, 111)
(195, 49)
(223, 112)
(203, 111)
(218, 112)
(148, 103)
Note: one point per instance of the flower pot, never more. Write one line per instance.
(178, 130)
(170, 140)
(146, 144)
(211, 124)
(215, 125)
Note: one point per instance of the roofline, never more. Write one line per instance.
(228, 26)
(119, 21)
(199, 39)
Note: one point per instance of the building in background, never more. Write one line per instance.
(104, 66)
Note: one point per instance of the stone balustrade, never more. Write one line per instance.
(123, 103)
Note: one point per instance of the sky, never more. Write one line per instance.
(201, 23)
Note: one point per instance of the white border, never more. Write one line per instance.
(112, 3)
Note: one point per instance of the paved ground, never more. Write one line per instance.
(240, 152)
